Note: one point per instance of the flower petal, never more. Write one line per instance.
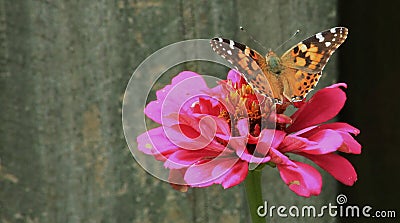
(200, 175)
(323, 106)
(228, 172)
(184, 158)
(155, 142)
(235, 77)
(293, 144)
(279, 158)
(320, 142)
(350, 145)
(337, 85)
(206, 106)
(269, 138)
(186, 85)
(302, 179)
(246, 156)
(328, 141)
(239, 145)
(336, 165)
(234, 176)
(243, 127)
(194, 135)
(339, 126)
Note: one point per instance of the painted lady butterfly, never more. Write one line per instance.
(293, 75)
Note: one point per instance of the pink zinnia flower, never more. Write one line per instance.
(209, 136)
(194, 136)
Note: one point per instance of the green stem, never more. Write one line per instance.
(254, 194)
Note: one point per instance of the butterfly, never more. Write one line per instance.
(289, 77)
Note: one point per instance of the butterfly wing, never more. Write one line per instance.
(251, 65)
(312, 54)
(297, 83)
(305, 61)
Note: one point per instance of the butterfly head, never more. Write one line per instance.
(273, 62)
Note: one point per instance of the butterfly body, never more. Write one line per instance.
(289, 77)
(273, 63)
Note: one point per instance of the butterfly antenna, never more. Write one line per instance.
(294, 34)
(251, 37)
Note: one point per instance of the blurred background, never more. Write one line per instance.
(368, 64)
(64, 66)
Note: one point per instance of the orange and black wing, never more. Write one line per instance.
(305, 61)
(251, 65)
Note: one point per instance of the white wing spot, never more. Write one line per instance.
(327, 44)
(220, 39)
(333, 30)
(320, 37)
(303, 48)
(334, 39)
(231, 43)
(229, 52)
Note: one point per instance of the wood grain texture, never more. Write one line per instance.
(63, 71)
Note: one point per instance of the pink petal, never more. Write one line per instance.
(234, 175)
(205, 106)
(171, 98)
(337, 85)
(279, 158)
(153, 111)
(184, 158)
(243, 127)
(228, 172)
(223, 128)
(239, 145)
(350, 145)
(323, 106)
(328, 141)
(250, 158)
(235, 77)
(206, 125)
(187, 137)
(339, 167)
(269, 138)
(302, 179)
(293, 144)
(280, 118)
(200, 175)
(154, 142)
(339, 126)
